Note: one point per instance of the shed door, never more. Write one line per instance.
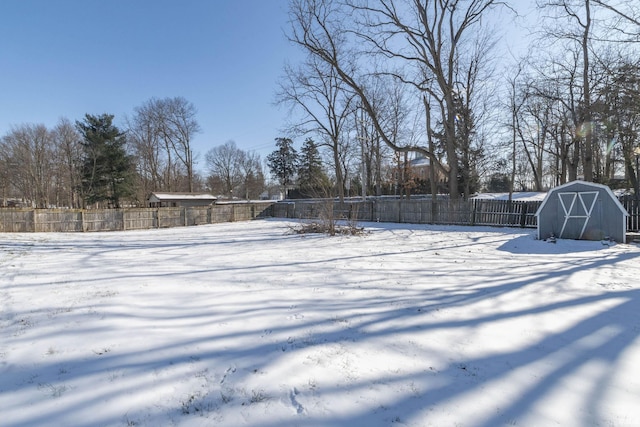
(576, 209)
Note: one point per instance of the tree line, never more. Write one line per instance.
(381, 83)
(386, 79)
(94, 163)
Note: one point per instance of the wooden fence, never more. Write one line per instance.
(632, 205)
(423, 211)
(78, 220)
(419, 211)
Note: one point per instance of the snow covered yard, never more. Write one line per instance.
(246, 324)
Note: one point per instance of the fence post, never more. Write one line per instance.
(523, 215)
(434, 210)
(474, 206)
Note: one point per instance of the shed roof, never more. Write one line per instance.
(594, 185)
(165, 197)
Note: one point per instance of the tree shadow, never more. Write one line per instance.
(281, 321)
(528, 244)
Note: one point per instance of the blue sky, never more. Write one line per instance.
(65, 58)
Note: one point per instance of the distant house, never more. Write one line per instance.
(172, 200)
(421, 166)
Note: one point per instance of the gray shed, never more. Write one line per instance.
(583, 211)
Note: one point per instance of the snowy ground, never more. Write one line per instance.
(245, 324)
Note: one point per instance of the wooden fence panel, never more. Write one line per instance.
(365, 210)
(411, 211)
(313, 210)
(632, 205)
(103, 219)
(243, 212)
(281, 210)
(388, 211)
(171, 217)
(221, 213)
(140, 219)
(457, 212)
(58, 220)
(322, 210)
(505, 213)
(16, 220)
(350, 210)
(198, 215)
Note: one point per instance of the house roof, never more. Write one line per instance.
(420, 161)
(163, 197)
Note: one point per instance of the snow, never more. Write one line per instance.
(248, 324)
(522, 196)
(157, 197)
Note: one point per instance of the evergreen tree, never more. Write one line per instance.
(283, 163)
(311, 176)
(499, 183)
(107, 169)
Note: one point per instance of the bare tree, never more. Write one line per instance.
(28, 150)
(162, 131)
(252, 175)
(573, 22)
(553, 107)
(389, 98)
(7, 171)
(225, 165)
(69, 158)
(178, 127)
(41, 166)
(515, 100)
(621, 113)
(425, 38)
(153, 161)
(326, 103)
(626, 22)
(590, 29)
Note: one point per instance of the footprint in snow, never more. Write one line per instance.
(297, 406)
(230, 370)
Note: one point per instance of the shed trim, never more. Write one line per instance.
(567, 212)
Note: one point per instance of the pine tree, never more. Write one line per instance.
(311, 176)
(107, 169)
(283, 163)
